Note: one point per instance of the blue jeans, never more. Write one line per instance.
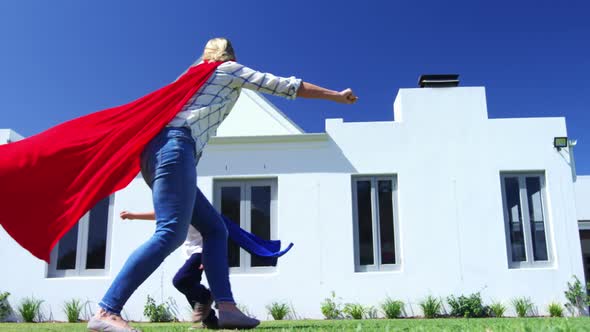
(168, 166)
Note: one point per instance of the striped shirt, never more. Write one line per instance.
(212, 103)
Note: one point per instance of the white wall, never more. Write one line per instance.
(253, 115)
(447, 157)
(9, 135)
(582, 188)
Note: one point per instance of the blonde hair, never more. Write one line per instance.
(218, 49)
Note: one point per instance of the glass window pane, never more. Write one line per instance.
(514, 219)
(533, 190)
(386, 221)
(97, 235)
(365, 222)
(230, 207)
(260, 200)
(66, 253)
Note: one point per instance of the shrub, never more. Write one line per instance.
(497, 309)
(576, 296)
(277, 310)
(392, 309)
(30, 309)
(555, 309)
(467, 306)
(431, 307)
(72, 310)
(331, 308)
(523, 306)
(354, 311)
(157, 312)
(5, 308)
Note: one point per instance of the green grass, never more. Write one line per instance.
(447, 324)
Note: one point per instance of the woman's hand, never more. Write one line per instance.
(347, 97)
(308, 90)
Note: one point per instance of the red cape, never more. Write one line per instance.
(50, 180)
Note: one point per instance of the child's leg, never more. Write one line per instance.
(188, 281)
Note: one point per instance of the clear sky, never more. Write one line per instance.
(62, 59)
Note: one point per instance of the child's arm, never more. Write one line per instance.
(138, 215)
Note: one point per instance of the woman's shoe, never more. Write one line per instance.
(236, 320)
(107, 322)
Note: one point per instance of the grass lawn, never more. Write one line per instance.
(447, 324)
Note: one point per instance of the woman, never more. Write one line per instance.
(168, 166)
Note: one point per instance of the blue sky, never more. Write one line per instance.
(62, 59)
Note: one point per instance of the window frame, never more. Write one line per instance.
(376, 229)
(245, 186)
(529, 262)
(82, 250)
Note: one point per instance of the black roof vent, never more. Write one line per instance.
(439, 81)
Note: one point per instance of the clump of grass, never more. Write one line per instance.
(354, 311)
(72, 309)
(30, 309)
(497, 309)
(331, 307)
(392, 308)
(431, 306)
(555, 309)
(278, 310)
(523, 306)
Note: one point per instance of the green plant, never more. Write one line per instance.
(157, 312)
(278, 310)
(467, 306)
(392, 308)
(5, 308)
(555, 309)
(72, 310)
(523, 306)
(30, 309)
(497, 309)
(576, 296)
(431, 306)
(331, 308)
(354, 311)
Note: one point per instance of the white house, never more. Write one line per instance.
(441, 201)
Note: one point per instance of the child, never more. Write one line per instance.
(188, 278)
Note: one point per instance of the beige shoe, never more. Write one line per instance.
(202, 311)
(107, 322)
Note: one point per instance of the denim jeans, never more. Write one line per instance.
(168, 166)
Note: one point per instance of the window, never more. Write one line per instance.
(524, 215)
(84, 249)
(375, 223)
(252, 205)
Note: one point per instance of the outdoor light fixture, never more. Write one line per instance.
(560, 142)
